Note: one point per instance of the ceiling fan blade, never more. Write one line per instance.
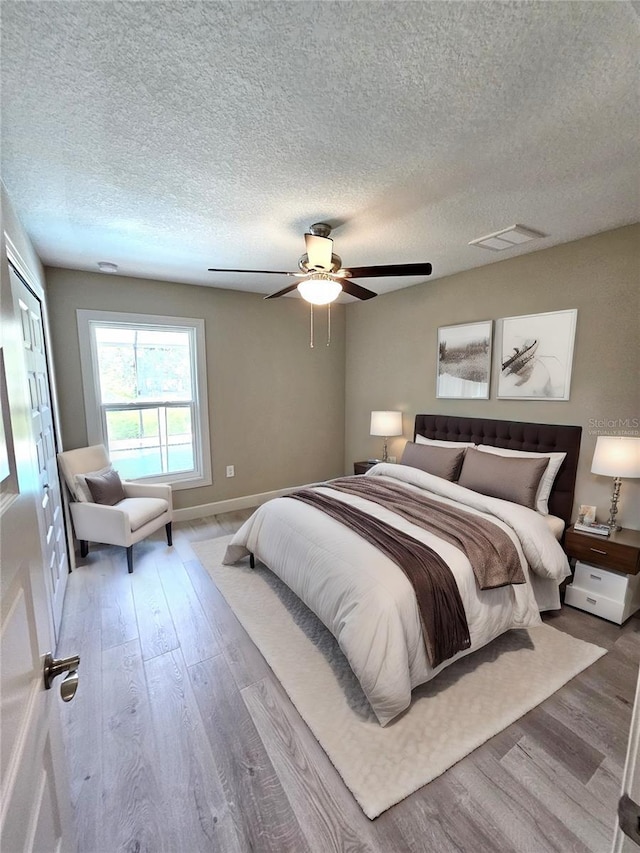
(390, 269)
(319, 251)
(282, 292)
(261, 272)
(354, 289)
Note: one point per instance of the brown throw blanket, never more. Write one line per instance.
(444, 623)
(492, 554)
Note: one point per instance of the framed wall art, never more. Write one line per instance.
(536, 356)
(464, 361)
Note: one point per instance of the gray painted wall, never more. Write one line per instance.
(276, 406)
(391, 348)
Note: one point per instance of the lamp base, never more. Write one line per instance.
(613, 510)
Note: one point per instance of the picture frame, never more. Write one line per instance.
(464, 361)
(536, 356)
(586, 514)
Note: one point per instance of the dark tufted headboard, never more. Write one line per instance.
(516, 435)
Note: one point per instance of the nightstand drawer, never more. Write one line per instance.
(602, 582)
(610, 555)
(599, 605)
(618, 598)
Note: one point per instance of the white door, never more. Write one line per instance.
(34, 794)
(54, 545)
(629, 840)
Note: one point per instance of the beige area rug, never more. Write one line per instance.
(468, 703)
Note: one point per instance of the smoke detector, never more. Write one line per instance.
(515, 235)
(107, 266)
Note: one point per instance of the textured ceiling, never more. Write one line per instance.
(170, 137)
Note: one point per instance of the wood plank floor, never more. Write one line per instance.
(180, 739)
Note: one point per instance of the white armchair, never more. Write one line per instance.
(145, 508)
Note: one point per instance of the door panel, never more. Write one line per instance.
(34, 793)
(17, 645)
(45, 816)
(32, 772)
(52, 516)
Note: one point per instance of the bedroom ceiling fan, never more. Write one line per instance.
(323, 278)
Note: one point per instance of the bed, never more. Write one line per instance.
(398, 629)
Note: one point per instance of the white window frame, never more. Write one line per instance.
(96, 434)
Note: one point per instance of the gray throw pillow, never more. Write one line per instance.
(441, 461)
(509, 478)
(106, 488)
(81, 492)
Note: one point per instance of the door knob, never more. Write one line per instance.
(69, 686)
(53, 668)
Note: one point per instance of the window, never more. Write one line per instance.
(146, 394)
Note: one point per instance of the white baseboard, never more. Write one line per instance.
(217, 507)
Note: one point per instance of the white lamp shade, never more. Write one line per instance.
(616, 456)
(320, 290)
(386, 423)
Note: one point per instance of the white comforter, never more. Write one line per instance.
(366, 601)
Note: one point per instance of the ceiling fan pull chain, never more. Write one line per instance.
(329, 324)
(311, 341)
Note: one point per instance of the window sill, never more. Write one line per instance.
(176, 484)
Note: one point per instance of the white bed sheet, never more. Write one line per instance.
(367, 602)
(555, 525)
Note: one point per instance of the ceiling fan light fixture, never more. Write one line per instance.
(320, 289)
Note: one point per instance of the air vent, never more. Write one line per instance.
(507, 238)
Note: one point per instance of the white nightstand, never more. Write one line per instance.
(604, 593)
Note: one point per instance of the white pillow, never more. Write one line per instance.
(547, 479)
(82, 493)
(420, 439)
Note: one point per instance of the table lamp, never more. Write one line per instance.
(386, 424)
(617, 457)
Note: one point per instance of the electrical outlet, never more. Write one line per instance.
(231, 470)
(392, 459)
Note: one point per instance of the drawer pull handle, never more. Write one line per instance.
(596, 577)
(591, 600)
(598, 551)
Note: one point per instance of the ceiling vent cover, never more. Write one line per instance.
(507, 238)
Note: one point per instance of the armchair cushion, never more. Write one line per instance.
(105, 488)
(142, 510)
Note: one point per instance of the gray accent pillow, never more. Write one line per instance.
(506, 477)
(82, 492)
(443, 462)
(106, 488)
